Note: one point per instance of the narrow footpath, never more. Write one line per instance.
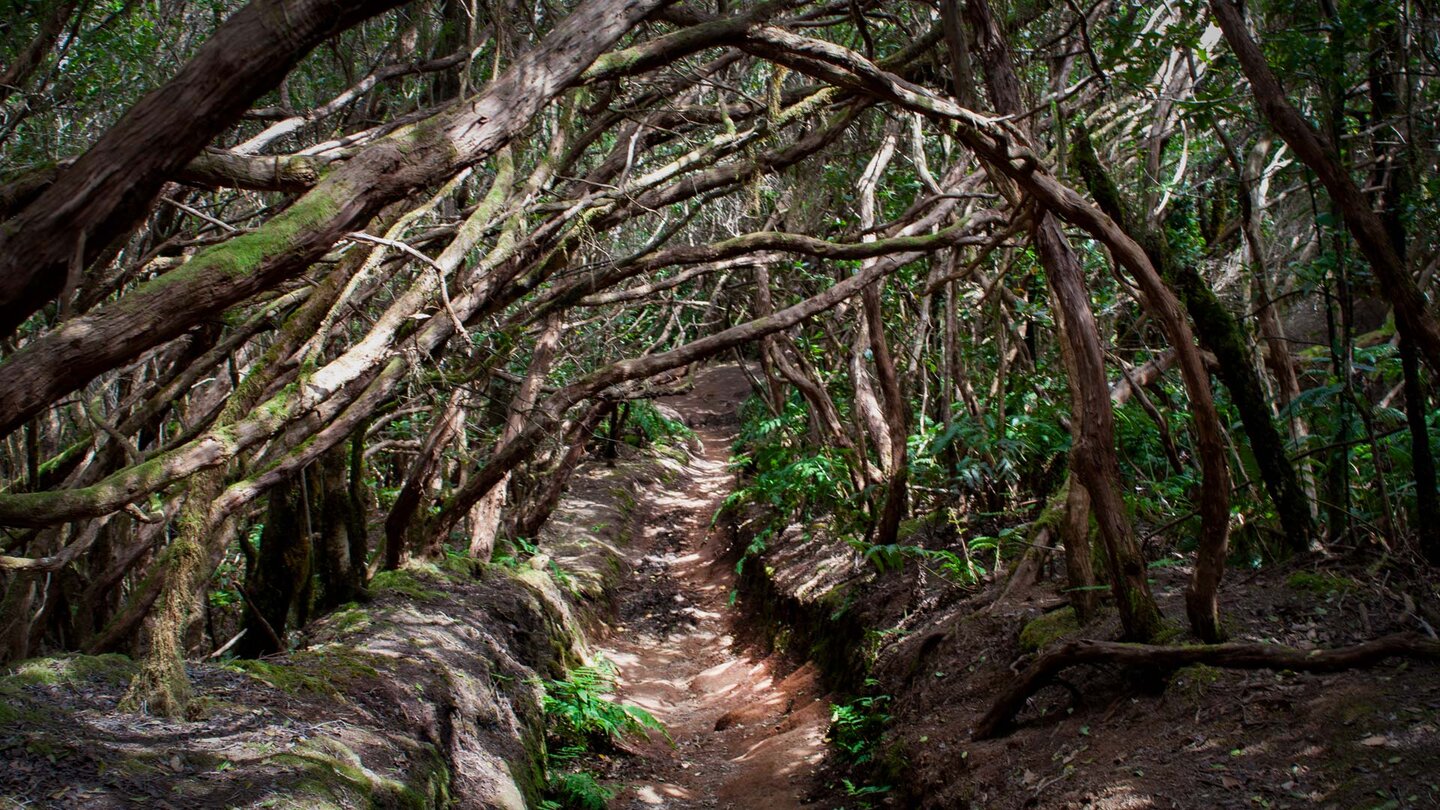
(747, 732)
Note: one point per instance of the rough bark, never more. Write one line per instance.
(108, 190)
(1079, 562)
(1413, 317)
(1220, 333)
(406, 509)
(416, 156)
(336, 568)
(485, 515)
(539, 510)
(276, 573)
(1093, 456)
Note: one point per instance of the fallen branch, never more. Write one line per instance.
(1229, 656)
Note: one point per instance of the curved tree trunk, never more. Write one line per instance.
(99, 198)
(1093, 457)
(1413, 317)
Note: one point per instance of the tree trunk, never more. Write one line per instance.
(108, 190)
(1413, 318)
(576, 438)
(1233, 656)
(405, 514)
(217, 278)
(1221, 334)
(888, 530)
(1396, 179)
(485, 515)
(1093, 457)
(276, 573)
(335, 570)
(161, 687)
(1079, 562)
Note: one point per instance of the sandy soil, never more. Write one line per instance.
(747, 731)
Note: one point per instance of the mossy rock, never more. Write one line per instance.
(410, 581)
(1049, 628)
(323, 671)
(111, 668)
(334, 776)
(1321, 584)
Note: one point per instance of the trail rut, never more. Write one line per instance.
(747, 732)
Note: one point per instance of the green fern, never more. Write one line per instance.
(577, 791)
(580, 712)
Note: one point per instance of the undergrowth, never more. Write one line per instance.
(856, 730)
(583, 719)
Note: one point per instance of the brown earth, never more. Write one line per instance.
(747, 729)
(1100, 738)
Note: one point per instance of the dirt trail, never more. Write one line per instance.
(745, 734)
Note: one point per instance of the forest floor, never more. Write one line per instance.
(1102, 737)
(1203, 737)
(746, 729)
(746, 726)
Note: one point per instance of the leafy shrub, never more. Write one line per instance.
(577, 791)
(580, 713)
(856, 726)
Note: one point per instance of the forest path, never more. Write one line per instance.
(745, 734)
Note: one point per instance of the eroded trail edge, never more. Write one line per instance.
(748, 730)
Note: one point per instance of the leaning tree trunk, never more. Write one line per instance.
(1093, 460)
(107, 191)
(1396, 180)
(485, 516)
(406, 513)
(1413, 318)
(1093, 456)
(539, 511)
(1219, 332)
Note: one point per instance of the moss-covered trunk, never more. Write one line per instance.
(161, 687)
(1220, 332)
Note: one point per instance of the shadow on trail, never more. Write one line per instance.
(745, 734)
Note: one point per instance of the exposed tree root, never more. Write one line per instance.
(1231, 656)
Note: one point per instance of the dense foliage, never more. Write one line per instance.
(368, 292)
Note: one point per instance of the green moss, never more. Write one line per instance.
(110, 668)
(15, 706)
(1195, 680)
(322, 671)
(349, 618)
(408, 582)
(1321, 584)
(1048, 629)
(334, 776)
(460, 566)
(1168, 632)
